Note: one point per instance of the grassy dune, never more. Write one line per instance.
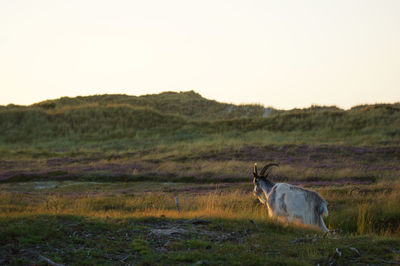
(171, 118)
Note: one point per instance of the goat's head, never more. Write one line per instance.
(260, 180)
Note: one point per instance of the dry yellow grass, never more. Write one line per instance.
(216, 204)
(363, 209)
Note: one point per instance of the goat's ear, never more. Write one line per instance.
(255, 171)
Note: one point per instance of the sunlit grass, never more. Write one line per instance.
(367, 209)
(233, 205)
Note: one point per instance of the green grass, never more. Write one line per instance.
(119, 121)
(138, 223)
(85, 241)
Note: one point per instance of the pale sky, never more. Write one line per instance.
(279, 53)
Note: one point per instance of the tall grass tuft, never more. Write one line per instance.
(364, 220)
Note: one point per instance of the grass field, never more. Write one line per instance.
(138, 223)
(94, 180)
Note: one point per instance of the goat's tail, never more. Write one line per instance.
(324, 208)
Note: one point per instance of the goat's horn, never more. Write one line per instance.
(255, 169)
(266, 168)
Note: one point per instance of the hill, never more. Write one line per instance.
(173, 117)
(189, 104)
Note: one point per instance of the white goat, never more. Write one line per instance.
(289, 202)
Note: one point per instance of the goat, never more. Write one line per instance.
(289, 202)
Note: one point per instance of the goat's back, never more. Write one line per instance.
(296, 203)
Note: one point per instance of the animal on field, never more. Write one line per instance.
(288, 202)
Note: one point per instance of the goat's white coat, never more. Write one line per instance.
(292, 203)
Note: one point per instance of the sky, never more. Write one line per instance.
(284, 54)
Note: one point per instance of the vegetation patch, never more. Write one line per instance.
(80, 240)
(166, 180)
